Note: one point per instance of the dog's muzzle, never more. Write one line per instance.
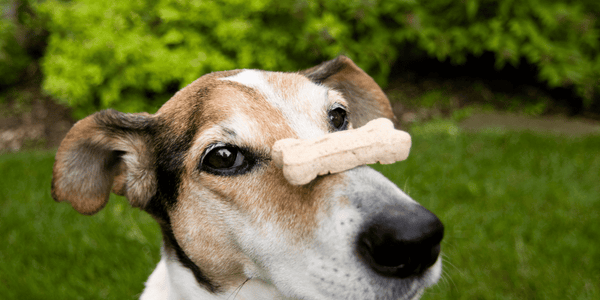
(401, 240)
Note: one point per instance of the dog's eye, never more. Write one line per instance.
(224, 160)
(338, 119)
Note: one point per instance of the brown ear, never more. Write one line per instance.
(107, 150)
(366, 99)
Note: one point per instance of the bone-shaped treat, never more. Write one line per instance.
(376, 141)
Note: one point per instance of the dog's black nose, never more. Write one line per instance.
(401, 241)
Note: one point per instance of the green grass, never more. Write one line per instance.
(49, 251)
(522, 217)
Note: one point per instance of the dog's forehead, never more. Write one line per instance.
(249, 108)
(301, 103)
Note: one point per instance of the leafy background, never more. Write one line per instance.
(520, 208)
(132, 55)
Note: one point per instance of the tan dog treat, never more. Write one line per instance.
(377, 141)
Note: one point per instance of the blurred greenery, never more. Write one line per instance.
(48, 251)
(13, 56)
(133, 55)
(520, 213)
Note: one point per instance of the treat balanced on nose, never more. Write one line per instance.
(376, 141)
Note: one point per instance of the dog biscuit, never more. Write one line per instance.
(376, 141)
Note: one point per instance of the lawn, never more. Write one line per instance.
(521, 210)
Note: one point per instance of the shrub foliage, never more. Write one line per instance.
(132, 55)
(13, 58)
(16, 23)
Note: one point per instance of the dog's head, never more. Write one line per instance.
(201, 167)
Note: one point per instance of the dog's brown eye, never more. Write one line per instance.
(337, 117)
(224, 160)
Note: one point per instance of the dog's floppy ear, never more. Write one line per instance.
(366, 99)
(107, 150)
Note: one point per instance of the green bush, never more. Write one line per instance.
(13, 56)
(560, 37)
(132, 55)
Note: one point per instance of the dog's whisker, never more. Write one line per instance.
(234, 274)
(446, 275)
(444, 278)
(238, 289)
(447, 262)
(406, 188)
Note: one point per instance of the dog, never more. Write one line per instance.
(232, 226)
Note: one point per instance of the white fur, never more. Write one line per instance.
(303, 110)
(171, 281)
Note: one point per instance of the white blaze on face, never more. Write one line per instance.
(303, 104)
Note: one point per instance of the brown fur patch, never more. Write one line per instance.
(200, 231)
(80, 176)
(366, 99)
(186, 106)
(94, 154)
(287, 84)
